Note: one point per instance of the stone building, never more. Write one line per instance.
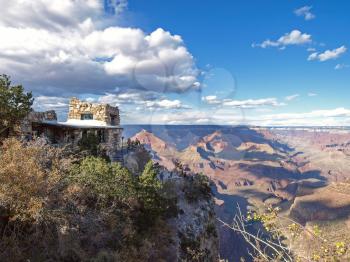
(83, 118)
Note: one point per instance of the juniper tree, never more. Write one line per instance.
(15, 104)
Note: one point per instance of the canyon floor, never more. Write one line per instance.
(304, 171)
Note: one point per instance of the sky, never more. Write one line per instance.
(256, 62)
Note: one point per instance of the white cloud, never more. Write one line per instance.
(212, 100)
(252, 103)
(249, 103)
(143, 100)
(47, 14)
(340, 66)
(295, 37)
(291, 97)
(328, 54)
(312, 94)
(50, 103)
(337, 116)
(166, 104)
(305, 12)
(311, 49)
(59, 104)
(71, 50)
(332, 117)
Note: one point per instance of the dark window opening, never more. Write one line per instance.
(84, 134)
(87, 116)
(113, 120)
(101, 136)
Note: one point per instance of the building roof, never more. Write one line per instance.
(74, 123)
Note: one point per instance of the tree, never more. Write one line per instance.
(15, 104)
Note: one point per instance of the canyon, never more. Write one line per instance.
(303, 171)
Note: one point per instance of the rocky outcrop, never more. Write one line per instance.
(323, 204)
(194, 229)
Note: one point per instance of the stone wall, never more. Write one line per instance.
(35, 117)
(42, 116)
(101, 112)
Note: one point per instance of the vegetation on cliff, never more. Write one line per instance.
(59, 207)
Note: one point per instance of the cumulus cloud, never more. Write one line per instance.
(47, 14)
(328, 54)
(311, 94)
(305, 11)
(295, 37)
(291, 97)
(71, 50)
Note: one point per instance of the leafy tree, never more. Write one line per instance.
(15, 104)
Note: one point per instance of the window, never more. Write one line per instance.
(86, 116)
(113, 120)
(101, 136)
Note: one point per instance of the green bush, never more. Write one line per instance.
(107, 181)
(197, 188)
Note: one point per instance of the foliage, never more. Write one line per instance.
(133, 144)
(106, 181)
(15, 104)
(54, 210)
(198, 188)
(152, 197)
(149, 178)
(27, 175)
(90, 144)
(191, 249)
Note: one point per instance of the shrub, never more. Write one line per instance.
(27, 175)
(93, 210)
(105, 180)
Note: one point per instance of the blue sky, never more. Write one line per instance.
(273, 62)
(221, 34)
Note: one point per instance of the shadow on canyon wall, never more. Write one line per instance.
(280, 173)
(184, 135)
(232, 245)
(304, 211)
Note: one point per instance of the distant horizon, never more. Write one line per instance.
(243, 126)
